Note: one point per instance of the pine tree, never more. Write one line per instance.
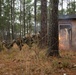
(53, 40)
(43, 23)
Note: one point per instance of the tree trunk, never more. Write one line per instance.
(35, 2)
(62, 7)
(8, 24)
(12, 18)
(0, 10)
(43, 23)
(53, 36)
(24, 15)
(74, 7)
(20, 18)
(27, 27)
(29, 21)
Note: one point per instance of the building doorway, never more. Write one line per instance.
(65, 35)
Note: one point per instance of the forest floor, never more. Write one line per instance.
(34, 62)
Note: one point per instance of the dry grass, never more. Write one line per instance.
(34, 62)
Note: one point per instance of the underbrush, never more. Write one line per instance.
(34, 62)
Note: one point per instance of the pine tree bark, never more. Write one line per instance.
(74, 7)
(20, 19)
(35, 2)
(8, 24)
(62, 7)
(53, 40)
(43, 23)
(24, 15)
(0, 8)
(12, 18)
